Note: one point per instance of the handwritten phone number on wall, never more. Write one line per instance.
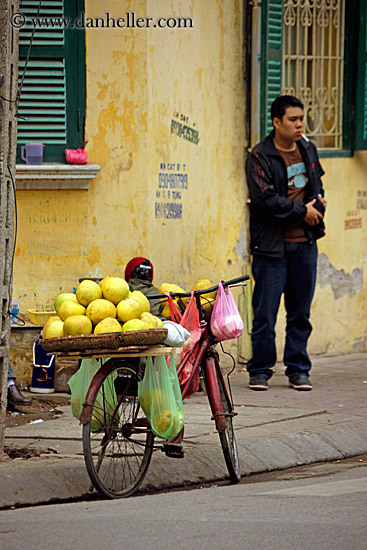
(168, 210)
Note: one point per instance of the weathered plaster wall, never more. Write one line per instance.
(144, 86)
(339, 310)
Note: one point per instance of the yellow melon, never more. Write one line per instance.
(151, 320)
(101, 283)
(168, 287)
(100, 309)
(87, 291)
(77, 324)
(109, 324)
(134, 324)
(128, 309)
(115, 289)
(62, 298)
(50, 320)
(142, 299)
(55, 330)
(202, 284)
(70, 308)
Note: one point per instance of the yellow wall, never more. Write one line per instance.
(339, 308)
(140, 84)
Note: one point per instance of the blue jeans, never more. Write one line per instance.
(11, 372)
(295, 276)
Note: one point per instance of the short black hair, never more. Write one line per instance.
(281, 103)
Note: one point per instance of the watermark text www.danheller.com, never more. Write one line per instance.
(129, 21)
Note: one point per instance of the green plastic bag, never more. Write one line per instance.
(160, 397)
(106, 400)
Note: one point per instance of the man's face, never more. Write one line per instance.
(291, 126)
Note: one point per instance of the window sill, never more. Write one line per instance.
(334, 153)
(55, 176)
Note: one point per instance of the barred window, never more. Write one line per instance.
(312, 65)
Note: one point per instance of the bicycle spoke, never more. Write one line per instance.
(117, 455)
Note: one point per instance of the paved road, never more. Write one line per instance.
(324, 507)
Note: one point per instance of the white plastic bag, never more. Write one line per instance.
(177, 334)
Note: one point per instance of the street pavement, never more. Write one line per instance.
(276, 429)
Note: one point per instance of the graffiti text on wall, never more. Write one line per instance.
(56, 249)
(172, 182)
(180, 127)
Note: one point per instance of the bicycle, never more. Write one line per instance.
(118, 441)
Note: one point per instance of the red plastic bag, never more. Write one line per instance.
(226, 322)
(76, 156)
(184, 358)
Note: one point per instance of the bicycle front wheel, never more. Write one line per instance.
(216, 389)
(117, 439)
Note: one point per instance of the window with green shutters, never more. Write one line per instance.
(271, 59)
(309, 49)
(52, 101)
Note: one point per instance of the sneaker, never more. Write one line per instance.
(258, 382)
(300, 382)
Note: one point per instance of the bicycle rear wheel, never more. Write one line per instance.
(216, 387)
(117, 439)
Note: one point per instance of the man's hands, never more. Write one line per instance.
(313, 216)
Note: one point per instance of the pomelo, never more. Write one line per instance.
(87, 291)
(142, 299)
(115, 289)
(101, 283)
(77, 324)
(134, 324)
(69, 308)
(151, 320)
(50, 320)
(62, 298)
(109, 324)
(128, 309)
(168, 287)
(100, 309)
(55, 329)
(202, 284)
(154, 395)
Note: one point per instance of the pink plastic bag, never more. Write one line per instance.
(225, 322)
(76, 156)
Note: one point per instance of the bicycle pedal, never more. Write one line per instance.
(173, 451)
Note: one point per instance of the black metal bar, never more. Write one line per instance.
(199, 292)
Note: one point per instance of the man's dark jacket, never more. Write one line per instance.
(270, 209)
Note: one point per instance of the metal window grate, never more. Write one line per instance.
(313, 51)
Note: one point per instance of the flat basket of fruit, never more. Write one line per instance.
(106, 341)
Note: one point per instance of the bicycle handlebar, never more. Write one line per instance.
(200, 292)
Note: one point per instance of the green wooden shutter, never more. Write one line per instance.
(271, 59)
(52, 103)
(361, 100)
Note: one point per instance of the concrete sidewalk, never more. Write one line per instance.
(276, 429)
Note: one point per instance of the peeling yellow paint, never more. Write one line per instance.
(138, 82)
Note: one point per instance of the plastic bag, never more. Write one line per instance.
(177, 334)
(79, 384)
(184, 358)
(76, 156)
(226, 322)
(160, 397)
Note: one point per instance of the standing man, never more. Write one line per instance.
(286, 213)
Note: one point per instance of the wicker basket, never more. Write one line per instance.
(147, 337)
(39, 317)
(107, 341)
